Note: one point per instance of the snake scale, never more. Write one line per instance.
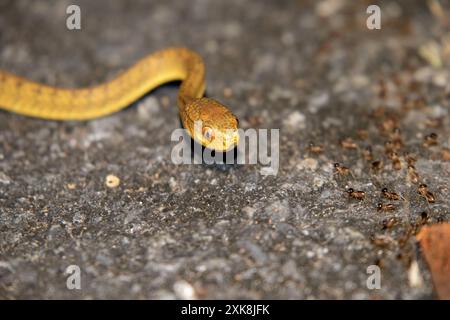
(218, 124)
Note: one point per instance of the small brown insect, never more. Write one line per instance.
(392, 155)
(409, 103)
(423, 191)
(396, 134)
(405, 104)
(385, 207)
(419, 102)
(315, 148)
(434, 122)
(356, 194)
(397, 79)
(389, 147)
(403, 239)
(341, 170)
(378, 112)
(381, 240)
(413, 176)
(389, 223)
(445, 154)
(390, 195)
(430, 140)
(377, 165)
(398, 143)
(424, 216)
(382, 89)
(388, 125)
(367, 153)
(420, 222)
(363, 134)
(396, 163)
(379, 262)
(410, 159)
(348, 143)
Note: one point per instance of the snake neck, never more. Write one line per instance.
(30, 98)
(193, 84)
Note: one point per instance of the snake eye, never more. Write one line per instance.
(208, 133)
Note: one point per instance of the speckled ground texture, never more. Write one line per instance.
(311, 69)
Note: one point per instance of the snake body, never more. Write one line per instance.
(218, 129)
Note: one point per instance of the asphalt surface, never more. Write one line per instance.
(166, 231)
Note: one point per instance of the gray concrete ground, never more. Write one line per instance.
(167, 231)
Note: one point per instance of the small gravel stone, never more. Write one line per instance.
(4, 178)
(295, 121)
(112, 181)
(184, 290)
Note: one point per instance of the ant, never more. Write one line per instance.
(424, 216)
(348, 143)
(363, 134)
(445, 154)
(356, 194)
(396, 138)
(341, 170)
(419, 102)
(412, 174)
(378, 112)
(390, 195)
(423, 220)
(433, 122)
(423, 191)
(377, 165)
(396, 134)
(389, 147)
(396, 163)
(385, 207)
(382, 89)
(430, 140)
(388, 125)
(367, 153)
(315, 148)
(410, 159)
(381, 240)
(389, 223)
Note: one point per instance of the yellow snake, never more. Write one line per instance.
(218, 130)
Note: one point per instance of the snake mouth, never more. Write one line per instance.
(230, 141)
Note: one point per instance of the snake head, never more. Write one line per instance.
(211, 124)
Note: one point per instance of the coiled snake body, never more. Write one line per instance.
(218, 125)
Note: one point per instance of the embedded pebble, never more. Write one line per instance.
(184, 290)
(4, 178)
(112, 181)
(296, 120)
(308, 164)
(148, 107)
